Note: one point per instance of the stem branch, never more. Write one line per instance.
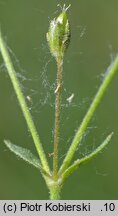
(22, 102)
(97, 99)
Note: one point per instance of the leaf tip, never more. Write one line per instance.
(110, 136)
(6, 142)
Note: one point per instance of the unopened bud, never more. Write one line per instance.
(58, 36)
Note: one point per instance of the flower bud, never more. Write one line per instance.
(58, 36)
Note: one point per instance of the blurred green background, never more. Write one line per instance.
(94, 43)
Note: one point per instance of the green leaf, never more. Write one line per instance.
(97, 150)
(85, 159)
(24, 154)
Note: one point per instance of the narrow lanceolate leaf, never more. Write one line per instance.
(85, 159)
(97, 150)
(24, 154)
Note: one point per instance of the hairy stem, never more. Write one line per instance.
(97, 99)
(55, 192)
(22, 102)
(57, 115)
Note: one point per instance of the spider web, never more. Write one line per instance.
(70, 100)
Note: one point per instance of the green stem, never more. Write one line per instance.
(85, 159)
(57, 115)
(22, 102)
(109, 76)
(55, 192)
